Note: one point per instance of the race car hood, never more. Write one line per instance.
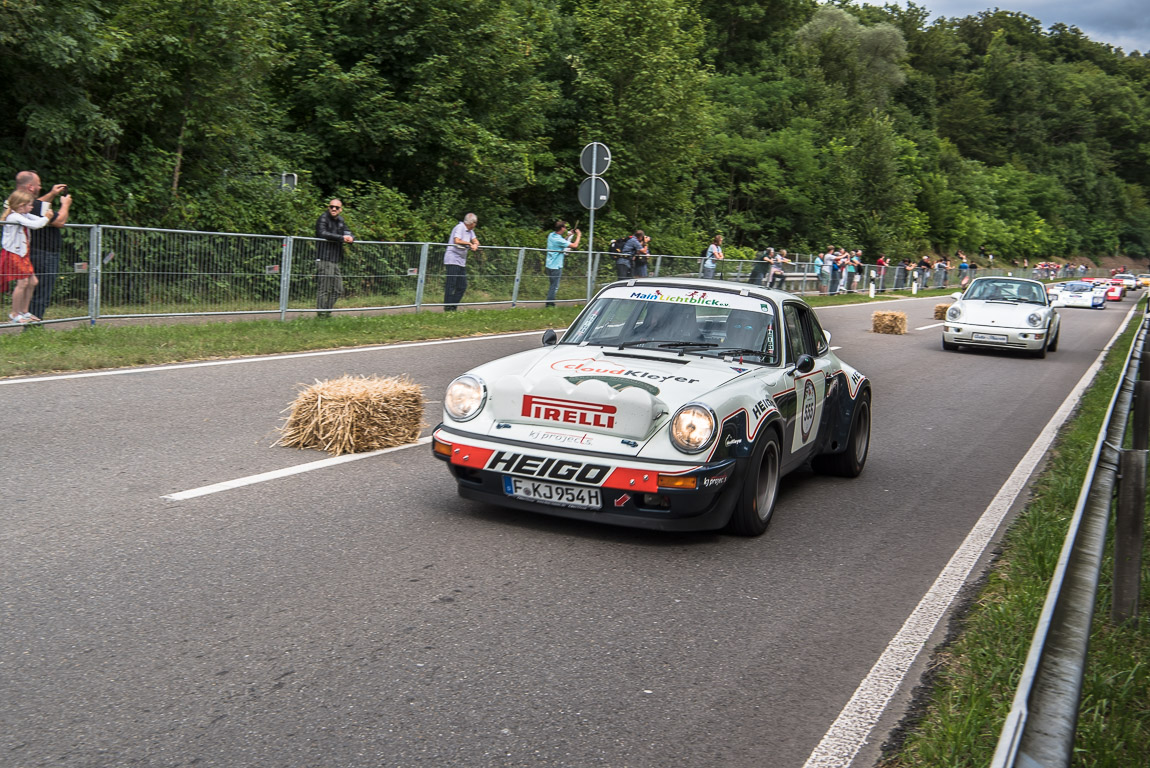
(1007, 314)
(623, 393)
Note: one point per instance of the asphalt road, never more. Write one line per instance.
(364, 615)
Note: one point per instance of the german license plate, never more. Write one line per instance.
(990, 337)
(571, 496)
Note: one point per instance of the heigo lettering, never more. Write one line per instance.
(569, 411)
(554, 469)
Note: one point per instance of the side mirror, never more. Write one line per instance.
(805, 364)
(550, 339)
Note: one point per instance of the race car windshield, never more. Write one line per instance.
(719, 329)
(1006, 290)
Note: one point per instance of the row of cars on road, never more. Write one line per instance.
(679, 404)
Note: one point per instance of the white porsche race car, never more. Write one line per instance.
(668, 404)
(1003, 312)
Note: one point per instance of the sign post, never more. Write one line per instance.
(595, 159)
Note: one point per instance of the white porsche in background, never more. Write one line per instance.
(1003, 312)
(1078, 293)
(669, 404)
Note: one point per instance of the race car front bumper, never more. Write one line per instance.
(994, 336)
(657, 496)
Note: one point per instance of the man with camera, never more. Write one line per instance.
(44, 244)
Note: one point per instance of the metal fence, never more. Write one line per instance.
(110, 272)
(1039, 731)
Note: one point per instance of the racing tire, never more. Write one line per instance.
(949, 346)
(756, 502)
(850, 462)
(1041, 352)
(1052, 346)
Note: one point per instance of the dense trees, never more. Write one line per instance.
(776, 122)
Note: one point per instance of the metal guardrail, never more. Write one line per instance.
(108, 272)
(1040, 729)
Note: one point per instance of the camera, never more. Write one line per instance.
(64, 191)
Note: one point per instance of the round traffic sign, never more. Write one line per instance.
(595, 158)
(593, 192)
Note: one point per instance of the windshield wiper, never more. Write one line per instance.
(741, 351)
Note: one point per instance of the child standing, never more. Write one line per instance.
(15, 267)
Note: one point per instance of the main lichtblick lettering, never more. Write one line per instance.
(553, 469)
(569, 412)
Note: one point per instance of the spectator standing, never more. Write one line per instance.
(882, 264)
(639, 259)
(15, 266)
(778, 275)
(45, 243)
(762, 266)
(826, 270)
(461, 240)
(922, 271)
(963, 270)
(712, 257)
(941, 271)
(855, 268)
(332, 230)
(625, 258)
(557, 246)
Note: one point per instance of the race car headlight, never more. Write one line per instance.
(1034, 319)
(465, 397)
(954, 312)
(693, 428)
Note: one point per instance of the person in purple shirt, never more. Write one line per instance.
(461, 240)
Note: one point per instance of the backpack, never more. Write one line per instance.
(616, 245)
(706, 250)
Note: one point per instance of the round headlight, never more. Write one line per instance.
(465, 397)
(1034, 319)
(954, 312)
(692, 428)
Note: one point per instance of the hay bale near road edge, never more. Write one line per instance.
(889, 322)
(353, 414)
(940, 311)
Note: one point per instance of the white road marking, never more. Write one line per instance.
(264, 358)
(287, 472)
(928, 327)
(849, 732)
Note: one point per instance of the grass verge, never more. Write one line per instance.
(44, 350)
(973, 679)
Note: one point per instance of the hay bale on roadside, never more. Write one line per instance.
(353, 414)
(940, 311)
(889, 322)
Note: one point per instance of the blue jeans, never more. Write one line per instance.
(553, 275)
(47, 266)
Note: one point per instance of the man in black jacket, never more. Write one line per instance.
(333, 231)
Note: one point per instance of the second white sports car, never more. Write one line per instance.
(1003, 312)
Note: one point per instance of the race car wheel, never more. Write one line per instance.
(756, 503)
(1041, 352)
(850, 462)
(949, 346)
(1053, 345)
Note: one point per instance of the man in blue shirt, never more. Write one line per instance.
(557, 246)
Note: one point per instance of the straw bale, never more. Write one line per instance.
(940, 311)
(889, 322)
(353, 414)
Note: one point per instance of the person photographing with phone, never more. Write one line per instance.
(45, 243)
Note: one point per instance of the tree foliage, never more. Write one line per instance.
(780, 122)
